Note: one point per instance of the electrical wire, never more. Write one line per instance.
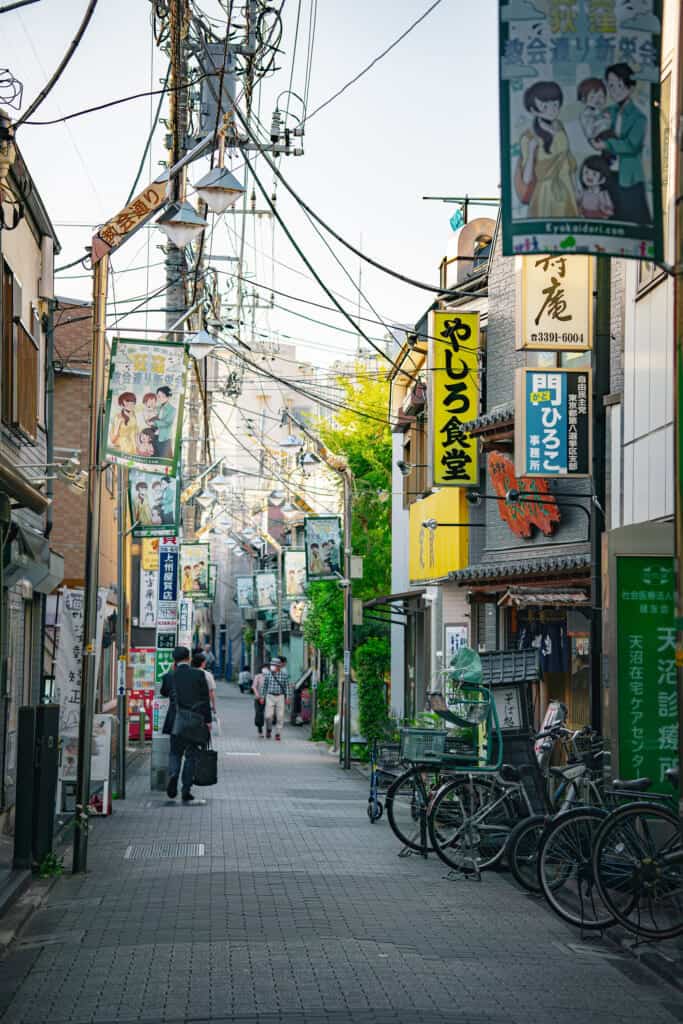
(17, 3)
(47, 89)
(149, 137)
(372, 63)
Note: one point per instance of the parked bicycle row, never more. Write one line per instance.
(601, 852)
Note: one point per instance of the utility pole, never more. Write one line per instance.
(678, 383)
(121, 563)
(178, 121)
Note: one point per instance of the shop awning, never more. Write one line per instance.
(499, 575)
(406, 595)
(17, 487)
(532, 597)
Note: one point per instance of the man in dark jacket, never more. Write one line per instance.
(187, 688)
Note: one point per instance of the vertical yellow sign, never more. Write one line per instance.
(454, 389)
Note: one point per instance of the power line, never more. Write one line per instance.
(47, 89)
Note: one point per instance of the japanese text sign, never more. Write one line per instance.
(579, 101)
(646, 642)
(454, 383)
(129, 219)
(167, 605)
(555, 302)
(145, 405)
(148, 599)
(553, 422)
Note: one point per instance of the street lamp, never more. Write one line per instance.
(219, 189)
(406, 468)
(181, 223)
(205, 499)
(291, 442)
(201, 344)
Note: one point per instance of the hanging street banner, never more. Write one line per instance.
(322, 539)
(245, 592)
(154, 504)
(147, 616)
(553, 412)
(145, 404)
(167, 603)
(554, 303)
(295, 573)
(579, 103)
(453, 397)
(194, 570)
(646, 666)
(265, 585)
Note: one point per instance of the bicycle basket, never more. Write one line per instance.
(388, 755)
(417, 744)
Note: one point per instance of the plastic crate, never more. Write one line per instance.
(418, 744)
(389, 755)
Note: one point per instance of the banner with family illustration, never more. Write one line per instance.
(154, 504)
(579, 95)
(194, 571)
(295, 573)
(323, 547)
(145, 404)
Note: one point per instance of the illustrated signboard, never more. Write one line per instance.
(295, 573)
(154, 504)
(539, 507)
(265, 587)
(141, 661)
(553, 422)
(646, 651)
(454, 397)
(555, 303)
(145, 404)
(245, 592)
(579, 94)
(194, 570)
(322, 538)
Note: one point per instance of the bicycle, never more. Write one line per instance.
(637, 863)
(408, 797)
(384, 758)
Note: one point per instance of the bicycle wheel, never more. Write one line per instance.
(406, 806)
(521, 851)
(638, 866)
(462, 832)
(565, 871)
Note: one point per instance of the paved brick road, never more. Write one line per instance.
(299, 911)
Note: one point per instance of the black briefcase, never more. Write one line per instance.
(206, 767)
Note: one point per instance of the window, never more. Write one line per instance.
(20, 361)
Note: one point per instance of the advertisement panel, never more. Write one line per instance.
(295, 573)
(555, 303)
(245, 592)
(579, 106)
(167, 604)
(454, 397)
(322, 539)
(154, 504)
(646, 652)
(185, 622)
(194, 570)
(265, 585)
(147, 617)
(553, 422)
(145, 404)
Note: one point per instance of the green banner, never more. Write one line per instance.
(163, 663)
(646, 642)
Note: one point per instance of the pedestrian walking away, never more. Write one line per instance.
(210, 657)
(188, 690)
(259, 699)
(199, 661)
(276, 690)
(244, 680)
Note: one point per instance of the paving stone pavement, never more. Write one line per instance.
(298, 911)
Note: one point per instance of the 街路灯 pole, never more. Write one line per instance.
(348, 612)
(92, 550)
(121, 566)
(678, 384)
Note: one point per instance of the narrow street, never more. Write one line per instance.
(296, 909)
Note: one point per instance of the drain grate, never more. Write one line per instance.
(152, 851)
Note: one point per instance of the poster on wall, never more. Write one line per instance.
(553, 422)
(579, 103)
(322, 538)
(245, 592)
(295, 573)
(141, 661)
(265, 585)
(554, 303)
(454, 397)
(456, 636)
(646, 666)
(145, 404)
(194, 570)
(154, 504)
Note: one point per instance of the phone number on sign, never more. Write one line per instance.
(555, 338)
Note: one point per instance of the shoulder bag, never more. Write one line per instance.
(206, 766)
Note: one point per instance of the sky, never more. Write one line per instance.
(423, 121)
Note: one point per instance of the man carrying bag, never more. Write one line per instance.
(188, 721)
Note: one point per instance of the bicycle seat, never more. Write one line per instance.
(636, 784)
(673, 775)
